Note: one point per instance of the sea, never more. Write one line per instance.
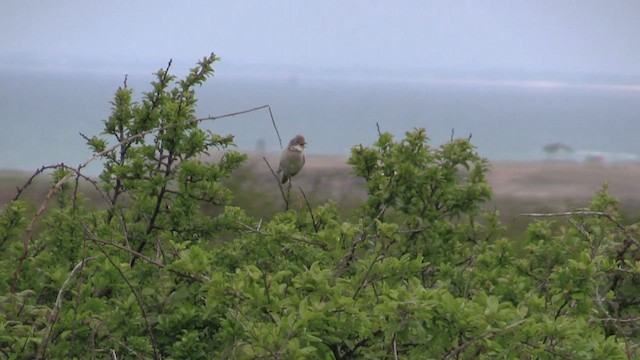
(43, 113)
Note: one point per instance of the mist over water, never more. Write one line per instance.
(41, 114)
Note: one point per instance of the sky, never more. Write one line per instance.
(467, 37)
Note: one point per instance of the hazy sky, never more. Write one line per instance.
(586, 36)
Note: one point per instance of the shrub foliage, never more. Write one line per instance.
(422, 272)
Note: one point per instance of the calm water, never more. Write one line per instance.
(42, 113)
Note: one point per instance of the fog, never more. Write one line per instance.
(516, 74)
(538, 40)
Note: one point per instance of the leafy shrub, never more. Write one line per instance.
(422, 273)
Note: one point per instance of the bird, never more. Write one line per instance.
(292, 158)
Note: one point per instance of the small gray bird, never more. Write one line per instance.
(292, 158)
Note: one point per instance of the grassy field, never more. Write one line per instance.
(519, 187)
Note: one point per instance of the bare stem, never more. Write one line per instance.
(284, 197)
(313, 220)
(275, 127)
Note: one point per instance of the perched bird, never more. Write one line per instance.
(292, 158)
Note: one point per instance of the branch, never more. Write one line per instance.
(53, 317)
(394, 348)
(344, 263)
(156, 211)
(630, 239)
(226, 115)
(568, 213)
(20, 189)
(129, 140)
(589, 213)
(455, 352)
(290, 237)
(275, 127)
(90, 235)
(154, 344)
(621, 320)
(57, 185)
(132, 252)
(27, 239)
(284, 197)
(313, 220)
(365, 280)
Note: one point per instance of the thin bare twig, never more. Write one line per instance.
(249, 228)
(132, 252)
(20, 189)
(275, 127)
(313, 219)
(567, 213)
(284, 197)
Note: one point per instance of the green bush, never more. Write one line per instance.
(421, 273)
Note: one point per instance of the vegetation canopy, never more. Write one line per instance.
(164, 267)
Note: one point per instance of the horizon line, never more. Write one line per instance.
(343, 74)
